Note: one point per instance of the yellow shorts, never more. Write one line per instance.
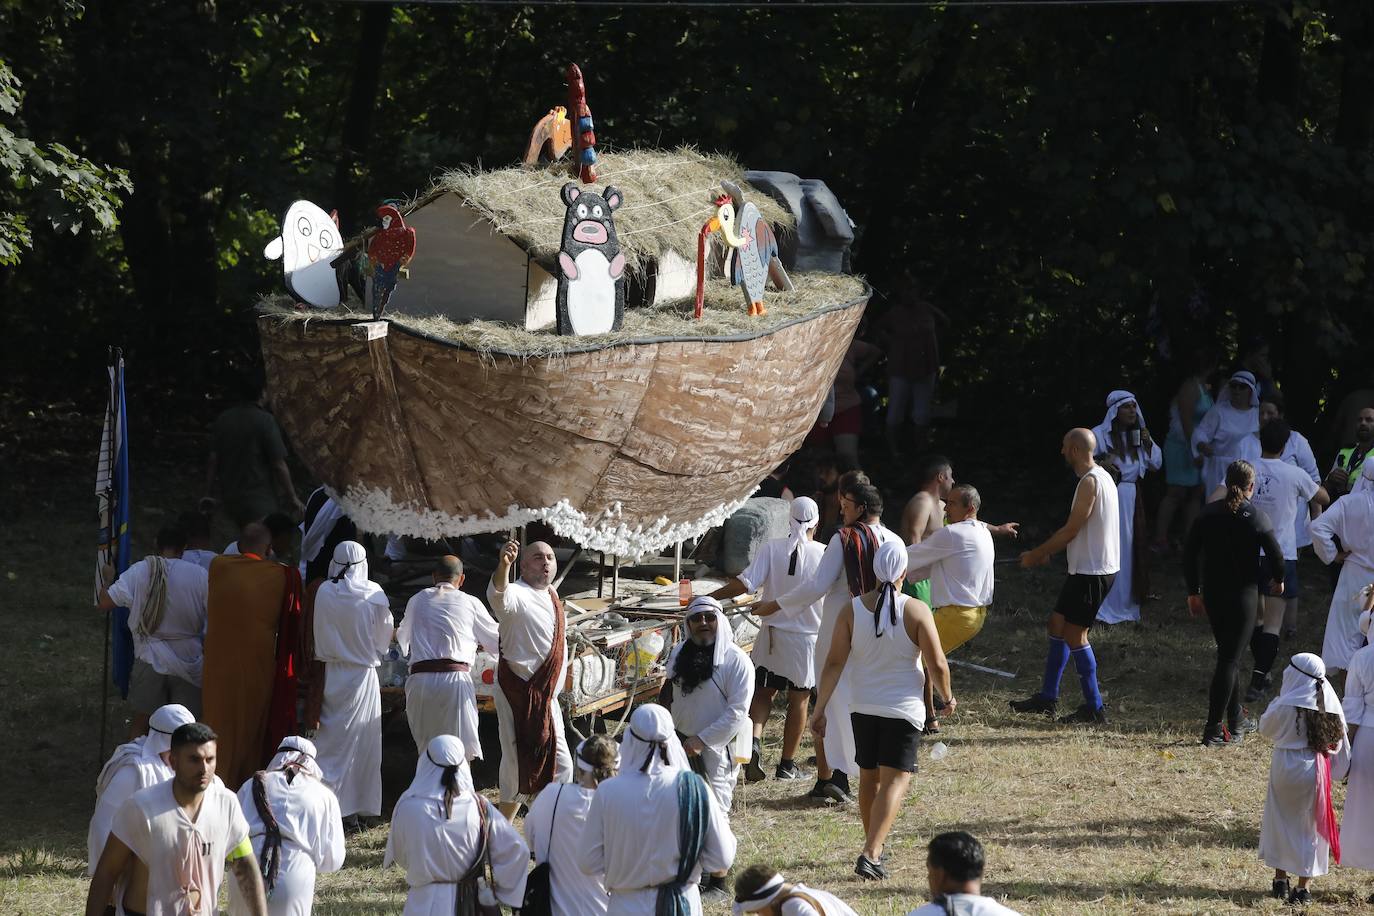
(957, 624)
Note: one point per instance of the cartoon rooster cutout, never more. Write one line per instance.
(390, 250)
(752, 259)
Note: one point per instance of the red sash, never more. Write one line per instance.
(860, 546)
(531, 704)
(281, 715)
(1327, 828)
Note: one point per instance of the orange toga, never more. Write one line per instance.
(249, 599)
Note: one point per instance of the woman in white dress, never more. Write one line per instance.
(1218, 438)
(1124, 444)
(554, 824)
(1307, 727)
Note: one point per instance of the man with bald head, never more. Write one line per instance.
(440, 633)
(534, 654)
(247, 698)
(1092, 539)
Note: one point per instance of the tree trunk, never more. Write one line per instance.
(357, 126)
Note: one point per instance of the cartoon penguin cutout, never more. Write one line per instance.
(591, 266)
(309, 240)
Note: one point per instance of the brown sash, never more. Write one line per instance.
(531, 705)
(438, 666)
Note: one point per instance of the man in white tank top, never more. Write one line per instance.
(886, 640)
(1092, 539)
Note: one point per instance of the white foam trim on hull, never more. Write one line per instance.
(372, 509)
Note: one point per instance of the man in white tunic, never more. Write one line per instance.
(844, 571)
(958, 560)
(1357, 830)
(166, 598)
(353, 625)
(294, 826)
(760, 889)
(529, 674)
(1217, 439)
(713, 682)
(136, 765)
(653, 829)
(784, 654)
(1351, 521)
(436, 836)
(182, 831)
(440, 633)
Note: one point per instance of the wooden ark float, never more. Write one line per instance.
(478, 418)
(623, 447)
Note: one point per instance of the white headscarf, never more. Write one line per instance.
(1302, 679)
(889, 566)
(804, 516)
(725, 636)
(650, 737)
(760, 898)
(298, 751)
(348, 573)
(1102, 432)
(1247, 379)
(441, 752)
(161, 724)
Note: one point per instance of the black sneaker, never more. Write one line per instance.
(1242, 726)
(932, 726)
(1300, 895)
(753, 770)
(1036, 703)
(1259, 683)
(788, 770)
(1084, 715)
(818, 790)
(837, 789)
(712, 890)
(1281, 889)
(1216, 736)
(869, 870)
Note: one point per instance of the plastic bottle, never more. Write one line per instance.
(639, 661)
(684, 592)
(939, 751)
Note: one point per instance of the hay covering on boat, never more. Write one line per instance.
(724, 316)
(668, 196)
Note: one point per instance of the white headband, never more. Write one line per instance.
(761, 898)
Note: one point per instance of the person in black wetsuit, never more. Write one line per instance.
(1219, 565)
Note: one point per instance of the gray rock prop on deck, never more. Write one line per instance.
(760, 519)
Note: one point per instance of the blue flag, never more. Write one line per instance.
(112, 498)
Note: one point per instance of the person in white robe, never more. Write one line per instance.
(321, 532)
(860, 504)
(133, 766)
(436, 836)
(713, 682)
(638, 819)
(1217, 438)
(440, 633)
(295, 828)
(1357, 832)
(353, 625)
(530, 673)
(180, 860)
(166, 597)
(1299, 831)
(784, 654)
(1351, 520)
(1117, 437)
(556, 824)
(760, 889)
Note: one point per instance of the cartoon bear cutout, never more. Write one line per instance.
(591, 266)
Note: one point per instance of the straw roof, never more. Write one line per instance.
(667, 198)
(724, 315)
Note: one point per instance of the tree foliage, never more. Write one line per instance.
(1087, 190)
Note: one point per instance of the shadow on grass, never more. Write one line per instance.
(1152, 892)
(1173, 829)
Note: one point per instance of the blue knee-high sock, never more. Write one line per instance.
(1055, 661)
(1086, 663)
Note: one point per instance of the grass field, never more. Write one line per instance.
(1134, 818)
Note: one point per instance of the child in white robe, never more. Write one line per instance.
(555, 824)
(1357, 847)
(1307, 728)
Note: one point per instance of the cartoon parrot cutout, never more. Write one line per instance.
(308, 242)
(390, 250)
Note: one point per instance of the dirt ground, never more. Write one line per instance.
(1132, 818)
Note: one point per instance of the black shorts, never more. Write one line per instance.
(774, 681)
(883, 742)
(1290, 580)
(1081, 597)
